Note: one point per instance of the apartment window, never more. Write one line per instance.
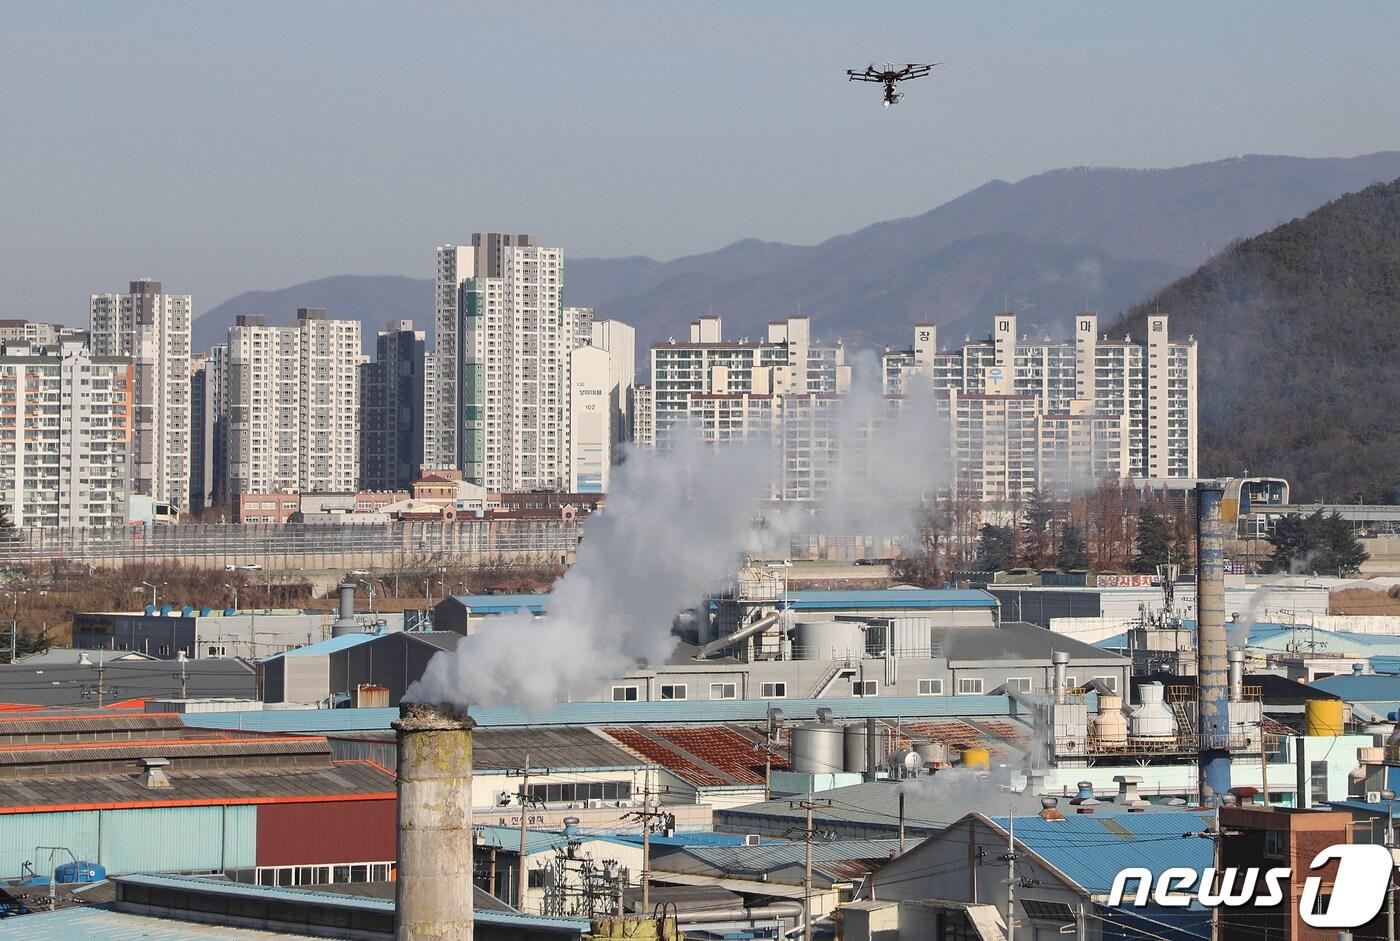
(624, 694)
(970, 686)
(673, 691)
(930, 687)
(865, 688)
(1110, 681)
(1019, 684)
(724, 691)
(218, 651)
(773, 690)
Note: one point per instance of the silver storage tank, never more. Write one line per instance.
(855, 747)
(934, 754)
(825, 640)
(816, 748)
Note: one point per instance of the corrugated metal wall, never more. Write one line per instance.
(326, 832)
(151, 839)
(384, 754)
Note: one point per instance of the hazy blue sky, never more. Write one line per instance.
(231, 146)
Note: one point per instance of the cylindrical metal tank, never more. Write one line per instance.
(826, 640)
(817, 748)
(854, 743)
(1109, 727)
(1152, 720)
(976, 757)
(1323, 717)
(934, 754)
(906, 763)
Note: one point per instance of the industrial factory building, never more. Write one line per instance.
(146, 793)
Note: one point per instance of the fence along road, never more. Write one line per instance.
(301, 545)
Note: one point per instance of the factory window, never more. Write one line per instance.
(1318, 781)
(218, 651)
(930, 687)
(1019, 684)
(673, 691)
(536, 879)
(624, 694)
(970, 686)
(865, 688)
(1276, 844)
(1110, 681)
(724, 691)
(773, 690)
(165, 650)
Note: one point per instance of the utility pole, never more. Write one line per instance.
(1215, 834)
(523, 796)
(645, 816)
(1390, 882)
(184, 679)
(1011, 878)
(901, 820)
(808, 834)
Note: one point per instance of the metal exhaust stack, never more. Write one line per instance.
(1237, 676)
(1212, 667)
(433, 891)
(345, 622)
(1061, 661)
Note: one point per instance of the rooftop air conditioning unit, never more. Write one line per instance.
(1373, 797)
(595, 803)
(751, 839)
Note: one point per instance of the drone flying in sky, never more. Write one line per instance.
(889, 76)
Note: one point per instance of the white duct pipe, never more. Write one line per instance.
(1237, 676)
(743, 634)
(1060, 659)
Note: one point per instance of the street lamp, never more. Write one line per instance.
(234, 589)
(153, 590)
(369, 588)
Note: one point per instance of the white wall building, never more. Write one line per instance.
(590, 420)
(294, 405)
(152, 329)
(620, 342)
(65, 434)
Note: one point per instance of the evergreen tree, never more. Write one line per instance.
(923, 564)
(1321, 544)
(1038, 547)
(1154, 541)
(996, 548)
(1073, 553)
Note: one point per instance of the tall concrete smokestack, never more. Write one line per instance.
(1212, 667)
(434, 885)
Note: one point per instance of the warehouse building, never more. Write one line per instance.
(146, 793)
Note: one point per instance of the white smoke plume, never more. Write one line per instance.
(675, 524)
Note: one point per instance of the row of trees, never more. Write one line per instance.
(1113, 528)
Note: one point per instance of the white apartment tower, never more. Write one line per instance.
(293, 405)
(1027, 413)
(65, 436)
(152, 329)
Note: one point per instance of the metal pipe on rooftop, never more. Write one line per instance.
(1060, 659)
(433, 889)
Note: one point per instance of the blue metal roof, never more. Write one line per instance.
(698, 838)
(332, 644)
(539, 841)
(1091, 850)
(87, 922)
(334, 899)
(1364, 687)
(502, 604)
(601, 713)
(892, 598)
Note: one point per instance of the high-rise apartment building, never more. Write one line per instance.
(201, 434)
(152, 329)
(65, 436)
(643, 429)
(787, 361)
(619, 340)
(1058, 413)
(293, 403)
(38, 333)
(391, 409)
(457, 266)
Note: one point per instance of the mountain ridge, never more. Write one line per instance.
(1100, 238)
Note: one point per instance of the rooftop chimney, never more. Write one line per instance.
(153, 773)
(345, 623)
(434, 885)
(1237, 676)
(1244, 796)
(1128, 790)
(1086, 792)
(1048, 810)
